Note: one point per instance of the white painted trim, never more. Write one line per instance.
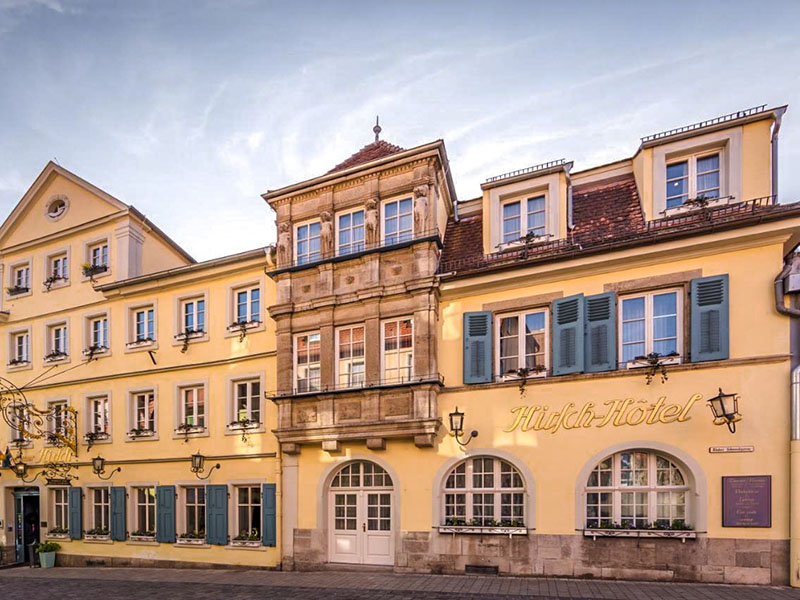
(439, 480)
(178, 316)
(177, 407)
(230, 308)
(382, 218)
(230, 398)
(342, 213)
(87, 398)
(88, 245)
(336, 358)
(648, 318)
(130, 412)
(130, 325)
(497, 317)
(63, 252)
(87, 319)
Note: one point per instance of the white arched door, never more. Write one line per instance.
(360, 515)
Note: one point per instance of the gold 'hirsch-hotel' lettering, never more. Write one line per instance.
(618, 413)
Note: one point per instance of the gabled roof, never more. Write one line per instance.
(375, 150)
(50, 170)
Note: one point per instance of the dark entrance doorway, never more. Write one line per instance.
(26, 522)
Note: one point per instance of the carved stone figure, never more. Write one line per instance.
(420, 209)
(371, 222)
(326, 233)
(284, 244)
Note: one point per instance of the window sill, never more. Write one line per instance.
(96, 276)
(685, 209)
(19, 295)
(665, 361)
(55, 286)
(249, 327)
(141, 541)
(194, 338)
(140, 346)
(640, 533)
(57, 536)
(19, 367)
(194, 433)
(97, 442)
(98, 354)
(247, 430)
(60, 360)
(470, 530)
(517, 378)
(150, 436)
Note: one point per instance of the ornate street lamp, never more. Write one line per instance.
(457, 428)
(99, 468)
(725, 408)
(21, 470)
(198, 466)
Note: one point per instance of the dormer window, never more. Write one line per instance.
(523, 217)
(695, 177)
(308, 243)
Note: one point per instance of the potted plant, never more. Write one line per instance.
(47, 554)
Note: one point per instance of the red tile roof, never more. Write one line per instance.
(607, 215)
(368, 153)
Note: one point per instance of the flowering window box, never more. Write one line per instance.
(243, 325)
(17, 290)
(55, 357)
(57, 535)
(244, 425)
(246, 543)
(680, 534)
(476, 530)
(136, 434)
(101, 535)
(143, 343)
(95, 350)
(187, 541)
(138, 536)
(18, 362)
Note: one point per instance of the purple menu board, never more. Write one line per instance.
(747, 501)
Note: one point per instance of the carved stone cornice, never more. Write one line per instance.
(360, 431)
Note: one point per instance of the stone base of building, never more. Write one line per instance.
(78, 560)
(7, 555)
(708, 560)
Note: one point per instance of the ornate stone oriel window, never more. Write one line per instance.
(350, 232)
(398, 350)
(350, 356)
(398, 225)
(308, 246)
(637, 489)
(484, 491)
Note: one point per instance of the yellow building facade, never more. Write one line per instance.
(518, 383)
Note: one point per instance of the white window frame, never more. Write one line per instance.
(523, 217)
(21, 266)
(26, 363)
(410, 232)
(341, 361)
(105, 505)
(338, 229)
(182, 520)
(133, 396)
(469, 490)
(49, 268)
(652, 488)
(180, 409)
(691, 189)
(648, 319)
(237, 505)
(56, 330)
(296, 368)
(308, 260)
(59, 507)
(53, 425)
(137, 526)
(89, 409)
(520, 315)
(384, 378)
(233, 425)
(179, 328)
(88, 333)
(16, 414)
(234, 328)
(131, 343)
(88, 248)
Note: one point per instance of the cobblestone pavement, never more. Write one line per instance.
(178, 584)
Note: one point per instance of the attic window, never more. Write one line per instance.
(56, 208)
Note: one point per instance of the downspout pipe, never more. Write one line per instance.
(774, 150)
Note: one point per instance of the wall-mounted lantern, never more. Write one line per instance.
(21, 470)
(457, 428)
(198, 466)
(99, 468)
(726, 409)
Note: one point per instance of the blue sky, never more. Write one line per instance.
(191, 109)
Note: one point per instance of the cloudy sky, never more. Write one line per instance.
(190, 109)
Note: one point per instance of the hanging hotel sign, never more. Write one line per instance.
(617, 413)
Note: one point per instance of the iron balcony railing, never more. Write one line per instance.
(389, 242)
(724, 118)
(311, 388)
(526, 170)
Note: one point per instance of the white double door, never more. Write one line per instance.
(360, 527)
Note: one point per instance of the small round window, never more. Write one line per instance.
(56, 208)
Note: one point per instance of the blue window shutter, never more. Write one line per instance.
(268, 516)
(75, 508)
(477, 336)
(568, 332)
(117, 525)
(217, 514)
(165, 514)
(600, 351)
(709, 319)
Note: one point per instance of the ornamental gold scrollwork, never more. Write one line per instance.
(58, 424)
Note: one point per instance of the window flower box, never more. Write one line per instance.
(192, 539)
(142, 343)
(476, 530)
(682, 535)
(142, 536)
(95, 350)
(239, 325)
(141, 433)
(54, 280)
(55, 356)
(98, 535)
(57, 534)
(16, 290)
(18, 362)
(698, 204)
(90, 271)
(244, 424)
(246, 543)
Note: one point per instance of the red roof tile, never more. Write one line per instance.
(607, 215)
(368, 153)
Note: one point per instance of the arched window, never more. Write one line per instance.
(484, 491)
(637, 489)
